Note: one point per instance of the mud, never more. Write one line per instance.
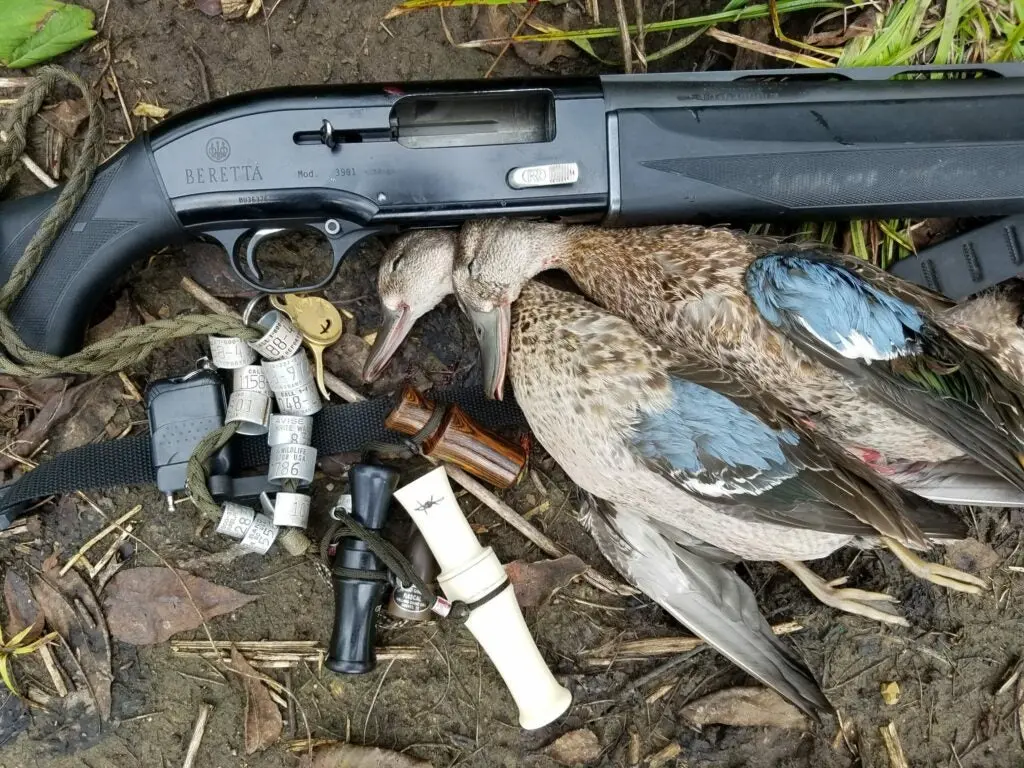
(450, 707)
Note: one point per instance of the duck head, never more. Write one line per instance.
(415, 276)
(493, 261)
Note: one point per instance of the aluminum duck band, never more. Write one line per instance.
(470, 573)
(286, 429)
(229, 353)
(251, 410)
(281, 340)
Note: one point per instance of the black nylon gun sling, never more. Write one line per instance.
(341, 428)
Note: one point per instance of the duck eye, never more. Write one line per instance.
(397, 262)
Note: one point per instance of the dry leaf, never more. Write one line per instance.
(353, 756)
(862, 26)
(254, 8)
(575, 748)
(56, 409)
(263, 723)
(208, 267)
(72, 611)
(209, 7)
(890, 693)
(534, 582)
(67, 116)
(22, 608)
(123, 316)
(148, 605)
(746, 707)
(145, 109)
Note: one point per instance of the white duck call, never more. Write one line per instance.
(469, 573)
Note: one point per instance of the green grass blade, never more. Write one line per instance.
(857, 241)
(693, 37)
(758, 11)
(950, 22)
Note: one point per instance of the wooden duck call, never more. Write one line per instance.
(451, 435)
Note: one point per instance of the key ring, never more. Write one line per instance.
(253, 303)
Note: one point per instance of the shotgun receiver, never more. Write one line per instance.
(346, 162)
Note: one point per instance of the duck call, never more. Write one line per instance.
(358, 575)
(473, 575)
(449, 434)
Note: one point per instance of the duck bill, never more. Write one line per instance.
(395, 326)
(492, 333)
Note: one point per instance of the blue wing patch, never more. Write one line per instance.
(837, 307)
(712, 446)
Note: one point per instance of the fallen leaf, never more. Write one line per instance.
(864, 25)
(890, 693)
(32, 31)
(65, 602)
(123, 316)
(97, 663)
(534, 582)
(263, 723)
(22, 608)
(209, 7)
(148, 605)
(254, 7)
(145, 109)
(346, 358)
(67, 116)
(751, 706)
(353, 756)
(99, 410)
(57, 408)
(208, 267)
(664, 755)
(575, 748)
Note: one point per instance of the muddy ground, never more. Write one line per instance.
(449, 707)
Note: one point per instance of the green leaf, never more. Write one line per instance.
(33, 31)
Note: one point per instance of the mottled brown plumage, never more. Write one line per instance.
(684, 286)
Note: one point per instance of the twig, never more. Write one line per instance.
(508, 44)
(505, 512)
(32, 166)
(99, 537)
(893, 746)
(120, 98)
(15, 82)
(51, 668)
(197, 736)
(204, 80)
(111, 551)
(627, 46)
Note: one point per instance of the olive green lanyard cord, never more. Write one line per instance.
(125, 348)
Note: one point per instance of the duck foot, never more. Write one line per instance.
(856, 601)
(936, 573)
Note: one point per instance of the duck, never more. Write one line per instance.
(697, 585)
(893, 373)
(627, 420)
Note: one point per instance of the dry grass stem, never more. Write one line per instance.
(100, 536)
(197, 736)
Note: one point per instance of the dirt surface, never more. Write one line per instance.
(450, 707)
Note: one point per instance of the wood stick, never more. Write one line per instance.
(98, 537)
(893, 746)
(51, 667)
(15, 82)
(459, 476)
(32, 166)
(197, 736)
(111, 551)
(637, 650)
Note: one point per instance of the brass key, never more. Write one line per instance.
(318, 321)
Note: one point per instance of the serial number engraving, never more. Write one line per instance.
(253, 199)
